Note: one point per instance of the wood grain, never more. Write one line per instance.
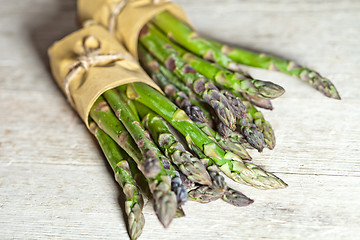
(55, 183)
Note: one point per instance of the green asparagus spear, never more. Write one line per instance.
(104, 117)
(151, 166)
(188, 38)
(235, 169)
(200, 85)
(119, 162)
(313, 78)
(180, 98)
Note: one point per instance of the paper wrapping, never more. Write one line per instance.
(130, 16)
(92, 67)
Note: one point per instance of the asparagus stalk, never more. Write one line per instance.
(165, 201)
(260, 60)
(119, 162)
(254, 137)
(188, 38)
(200, 85)
(235, 169)
(104, 117)
(151, 166)
(180, 98)
(226, 56)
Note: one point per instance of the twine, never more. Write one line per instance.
(90, 58)
(118, 9)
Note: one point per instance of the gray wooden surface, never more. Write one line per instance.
(55, 184)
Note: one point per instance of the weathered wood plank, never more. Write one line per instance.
(55, 183)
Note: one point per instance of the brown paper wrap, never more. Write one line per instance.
(90, 61)
(125, 18)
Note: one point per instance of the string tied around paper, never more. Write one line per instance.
(89, 56)
(120, 6)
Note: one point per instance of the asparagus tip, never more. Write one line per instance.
(236, 198)
(179, 189)
(151, 166)
(262, 179)
(195, 113)
(205, 194)
(165, 208)
(253, 136)
(269, 89)
(322, 84)
(260, 102)
(136, 222)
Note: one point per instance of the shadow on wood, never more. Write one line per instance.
(51, 27)
(48, 28)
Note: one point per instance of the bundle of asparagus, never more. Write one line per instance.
(174, 147)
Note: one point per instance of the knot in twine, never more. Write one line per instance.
(89, 56)
(120, 6)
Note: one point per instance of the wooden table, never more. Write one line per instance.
(55, 183)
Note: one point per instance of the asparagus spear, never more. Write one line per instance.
(119, 162)
(223, 78)
(107, 121)
(188, 38)
(235, 169)
(165, 201)
(225, 55)
(151, 166)
(180, 98)
(200, 85)
(260, 60)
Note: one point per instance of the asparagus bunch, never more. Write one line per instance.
(174, 147)
(210, 102)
